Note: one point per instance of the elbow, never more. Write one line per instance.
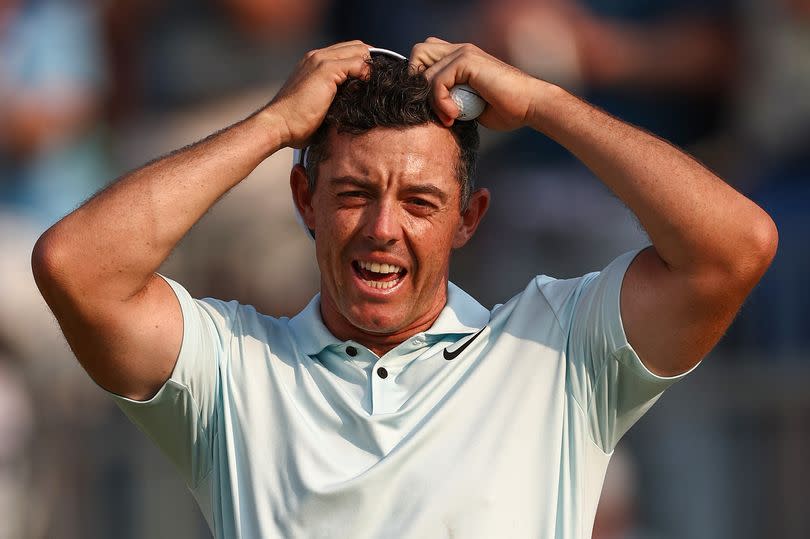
(42, 258)
(739, 265)
(764, 243)
(48, 263)
(753, 254)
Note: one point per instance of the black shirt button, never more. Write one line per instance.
(351, 350)
(382, 373)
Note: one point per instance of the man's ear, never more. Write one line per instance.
(302, 197)
(479, 203)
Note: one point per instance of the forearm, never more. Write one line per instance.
(111, 245)
(694, 219)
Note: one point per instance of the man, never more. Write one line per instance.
(395, 405)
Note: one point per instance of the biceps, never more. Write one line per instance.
(671, 319)
(128, 347)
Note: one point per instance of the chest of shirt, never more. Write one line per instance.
(358, 404)
(478, 441)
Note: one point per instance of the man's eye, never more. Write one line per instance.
(422, 203)
(353, 194)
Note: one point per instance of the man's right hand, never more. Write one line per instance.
(301, 104)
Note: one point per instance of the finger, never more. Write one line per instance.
(433, 39)
(339, 51)
(424, 55)
(354, 45)
(443, 75)
(351, 43)
(343, 68)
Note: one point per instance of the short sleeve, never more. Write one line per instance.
(180, 418)
(609, 380)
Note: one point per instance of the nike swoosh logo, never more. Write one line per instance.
(451, 355)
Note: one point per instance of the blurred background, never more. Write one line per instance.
(91, 89)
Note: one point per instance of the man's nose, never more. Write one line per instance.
(382, 224)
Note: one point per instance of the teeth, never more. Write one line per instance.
(379, 268)
(380, 284)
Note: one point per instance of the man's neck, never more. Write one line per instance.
(379, 343)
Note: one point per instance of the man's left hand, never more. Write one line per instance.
(510, 94)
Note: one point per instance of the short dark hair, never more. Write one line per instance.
(391, 96)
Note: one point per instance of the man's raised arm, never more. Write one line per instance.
(711, 244)
(95, 268)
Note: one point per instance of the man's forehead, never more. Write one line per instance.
(409, 150)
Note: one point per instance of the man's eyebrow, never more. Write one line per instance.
(353, 181)
(417, 189)
(427, 189)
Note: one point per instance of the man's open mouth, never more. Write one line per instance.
(381, 276)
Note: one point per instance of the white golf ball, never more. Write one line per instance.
(470, 104)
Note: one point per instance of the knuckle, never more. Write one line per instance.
(320, 63)
(420, 50)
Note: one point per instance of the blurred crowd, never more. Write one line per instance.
(91, 89)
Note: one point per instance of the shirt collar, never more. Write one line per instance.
(461, 315)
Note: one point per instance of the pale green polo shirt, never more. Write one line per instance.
(282, 430)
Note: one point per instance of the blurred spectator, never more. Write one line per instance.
(773, 116)
(51, 86)
(773, 127)
(663, 65)
(52, 156)
(51, 83)
(184, 53)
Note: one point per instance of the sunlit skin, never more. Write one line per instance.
(387, 196)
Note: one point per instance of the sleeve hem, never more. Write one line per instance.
(619, 337)
(151, 401)
(617, 271)
(637, 365)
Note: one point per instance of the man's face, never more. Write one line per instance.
(386, 214)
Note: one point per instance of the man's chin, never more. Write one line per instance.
(376, 322)
(377, 326)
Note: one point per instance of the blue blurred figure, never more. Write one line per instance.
(52, 77)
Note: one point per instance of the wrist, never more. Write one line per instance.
(272, 128)
(549, 100)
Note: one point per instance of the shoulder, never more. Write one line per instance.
(563, 297)
(226, 319)
(545, 302)
(545, 298)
